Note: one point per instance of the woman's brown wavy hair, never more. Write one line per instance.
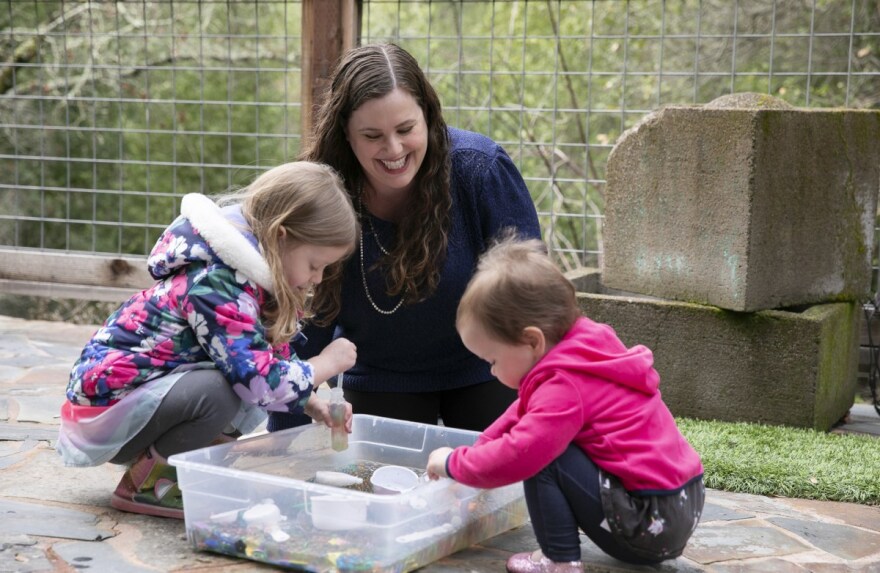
(363, 74)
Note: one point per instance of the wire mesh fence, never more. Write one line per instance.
(112, 111)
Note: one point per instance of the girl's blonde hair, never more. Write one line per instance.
(517, 285)
(308, 201)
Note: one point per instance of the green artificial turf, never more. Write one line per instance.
(786, 462)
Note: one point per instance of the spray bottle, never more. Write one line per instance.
(338, 435)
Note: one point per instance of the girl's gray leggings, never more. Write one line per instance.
(194, 412)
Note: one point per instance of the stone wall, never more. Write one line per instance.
(783, 367)
(746, 204)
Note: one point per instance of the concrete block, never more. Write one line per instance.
(745, 203)
(794, 367)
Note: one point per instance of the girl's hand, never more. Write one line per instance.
(437, 463)
(319, 409)
(338, 356)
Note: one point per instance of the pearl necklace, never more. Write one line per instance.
(376, 236)
(363, 267)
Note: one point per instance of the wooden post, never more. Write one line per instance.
(329, 28)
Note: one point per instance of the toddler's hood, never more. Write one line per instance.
(594, 350)
(205, 233)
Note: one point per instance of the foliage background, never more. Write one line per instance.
(111, 111)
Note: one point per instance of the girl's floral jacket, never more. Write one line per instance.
(205, 308)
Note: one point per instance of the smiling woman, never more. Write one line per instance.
(430, 200)
(389, 138)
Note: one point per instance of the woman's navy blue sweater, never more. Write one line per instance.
(417, 349)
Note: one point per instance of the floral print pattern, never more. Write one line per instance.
(199, 311)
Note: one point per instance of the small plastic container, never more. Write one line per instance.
(391, 480)
(337, 513)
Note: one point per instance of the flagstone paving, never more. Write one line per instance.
(58, 519)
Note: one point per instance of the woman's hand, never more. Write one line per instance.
(338, 356)
(319, 409)
(437, 463)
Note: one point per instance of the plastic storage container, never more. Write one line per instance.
(258, 499)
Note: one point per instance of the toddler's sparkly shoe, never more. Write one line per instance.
(536, 562)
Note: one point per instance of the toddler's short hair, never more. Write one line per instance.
(517, 285)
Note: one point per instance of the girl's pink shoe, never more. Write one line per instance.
(535, 562)
(149, 486)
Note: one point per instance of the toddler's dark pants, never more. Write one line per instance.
(563, 496)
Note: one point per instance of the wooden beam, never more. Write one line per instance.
(69, 268)
(329, 28)
(57, 291)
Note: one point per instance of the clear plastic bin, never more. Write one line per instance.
(258, 499)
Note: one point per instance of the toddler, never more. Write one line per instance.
(589, 435)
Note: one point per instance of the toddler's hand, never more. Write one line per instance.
(437, 463)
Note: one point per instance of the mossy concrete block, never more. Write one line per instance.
(783, 367)
(746, 204)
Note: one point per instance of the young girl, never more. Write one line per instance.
(205, 351)
(589, 434)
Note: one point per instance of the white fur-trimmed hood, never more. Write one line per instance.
(209, 227)
(226, 239)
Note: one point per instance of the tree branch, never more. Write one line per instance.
(27, 51)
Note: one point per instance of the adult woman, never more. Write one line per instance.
(430, 199)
